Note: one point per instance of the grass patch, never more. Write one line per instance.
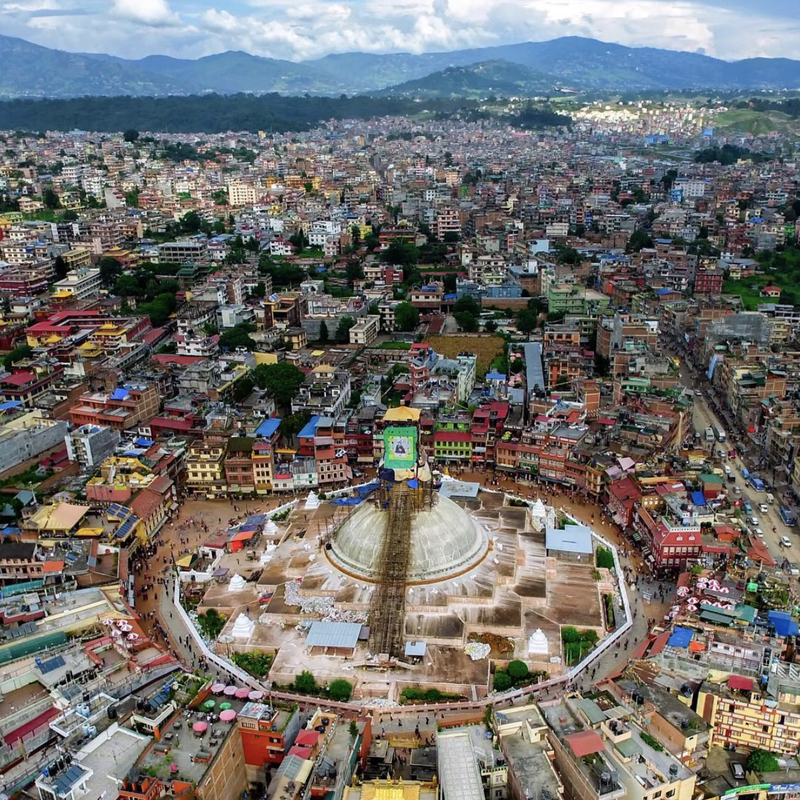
(487, 348)
(413, 694)
(257, 663)
(395, 345)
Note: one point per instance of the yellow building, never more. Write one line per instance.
(392, 790)
(205, 469)
(745, 714)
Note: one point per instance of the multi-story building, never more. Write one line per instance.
(90, 445)
(80, 284)
(325, 392)
(122, 409)
(205, 469)
(365, 331)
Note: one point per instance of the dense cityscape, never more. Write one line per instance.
(427, 456)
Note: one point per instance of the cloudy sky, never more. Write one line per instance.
(303, 29)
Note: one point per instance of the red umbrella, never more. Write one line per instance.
(229, 715)
(242, 693)
(229, 691)
(200, 727)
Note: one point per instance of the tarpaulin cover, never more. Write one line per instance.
(347, 501)
(680, 637)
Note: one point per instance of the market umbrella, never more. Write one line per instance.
(242, 693)
(225, 706)
(200, 727)
(218, 688)
(229, 715)
(255, 695)
(209, 704)
(230, 691)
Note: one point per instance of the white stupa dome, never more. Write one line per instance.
(243, 627)
(537, 643)
(312, 501)
(444, 542)
(237, 583)
(270, 527)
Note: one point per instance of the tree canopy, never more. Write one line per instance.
(281, 380)
(761, 761)
(238, 336)
(406, 316)
(343, 329)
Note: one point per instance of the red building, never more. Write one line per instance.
(708, 281)
(622, 497)
(267, 735)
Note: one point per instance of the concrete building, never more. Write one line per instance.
(90, 445)
(80, 284)
(28, 436)
(365, 331)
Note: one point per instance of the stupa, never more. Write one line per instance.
(237, 583)
(243, 627)
(537, 644)
(312, 501)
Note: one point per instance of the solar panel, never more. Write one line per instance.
(52, 664)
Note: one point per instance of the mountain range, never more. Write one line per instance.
(569, 63)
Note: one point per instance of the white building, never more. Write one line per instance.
(81, 283)
(365, 331)
(90, 445)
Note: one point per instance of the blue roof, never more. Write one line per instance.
(783, 623)
(663, 291)
(310, 428)
(120, 394)
(450, 296)
(681, 637)
(495, 376)
(268, 427)
(698, 498)
(142, 442)
(10, 404)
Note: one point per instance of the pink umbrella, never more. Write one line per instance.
(218, 688)
(229, 691)
(200, 727)
(132, 637)
(242, 693)
(255, 695)
(228, 715)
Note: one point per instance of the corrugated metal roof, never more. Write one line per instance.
(333, 634)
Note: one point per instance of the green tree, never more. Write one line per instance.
(467, 303)
(340, 690)
(354, 272)
(502, 681)
(403, 253)
(490, 326)
(466, 321)
(343, 328)
(323, 332)
(299, 240)
(132, 198)
(604, 558)
(406, 316)
(353, 729)
(281, 380)
(19, 353)
(242, 389)
(761, 761)
(238, 336)
(518, 670)
(639, 239)
(527, 321)
(451, 237)
(50, 199)
(306, 683)
(130, 135)
(110, 271)
(260, 290)
(60, 268)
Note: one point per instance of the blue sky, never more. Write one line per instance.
(304, 29)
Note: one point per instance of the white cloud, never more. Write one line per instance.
(147, 12)
(305, 29)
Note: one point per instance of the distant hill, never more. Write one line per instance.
(477, 80)
(28, 70)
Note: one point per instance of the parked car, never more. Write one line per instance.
(726, 468)
(738, 771)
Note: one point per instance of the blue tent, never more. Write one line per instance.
(698, 498)
(783, 623)
(681, 637)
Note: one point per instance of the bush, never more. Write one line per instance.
(502, 681)
(518, 670)
(306, 683)
(605, 558)
(761, 761)
(654, 743)
(340, 690)
(256, 663)
(570, 635)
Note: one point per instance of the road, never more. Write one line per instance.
(769, 522)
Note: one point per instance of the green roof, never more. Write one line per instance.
(628, 748)
(709, 477)
(746, 613)
(593, 712)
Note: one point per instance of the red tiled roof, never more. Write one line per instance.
(741, 683)
(307, 738)
(584, 743)
(18, 379)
